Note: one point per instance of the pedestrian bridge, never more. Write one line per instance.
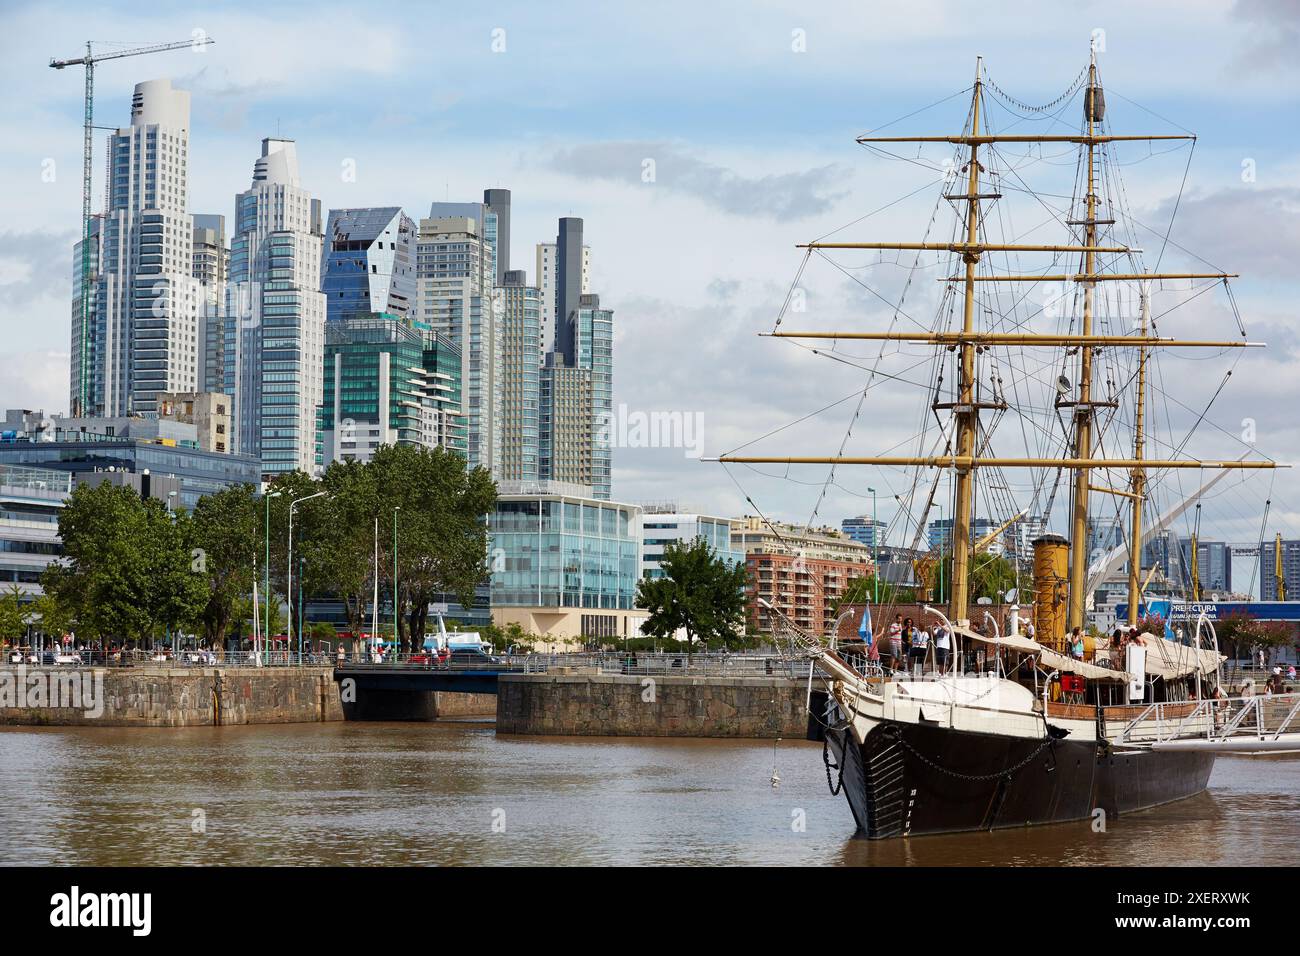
(474, 677)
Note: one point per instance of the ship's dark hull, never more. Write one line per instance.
(914, 779)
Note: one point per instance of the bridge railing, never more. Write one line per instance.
(639, 664)
(183, 659)
(1261, 715)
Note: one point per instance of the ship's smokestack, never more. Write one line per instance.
(1051, 589)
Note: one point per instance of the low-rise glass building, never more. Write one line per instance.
(564, 564)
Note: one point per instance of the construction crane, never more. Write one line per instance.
(89, 61)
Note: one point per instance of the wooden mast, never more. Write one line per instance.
(966, 412)
(1138, 476)
(1092, 108)
(962, 459)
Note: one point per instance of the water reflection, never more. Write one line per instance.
(455, 793)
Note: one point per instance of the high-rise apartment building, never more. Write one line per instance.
(498, 202)
(275, 331)
(565, 424)
(144, 339)
(593, 340)
(865, 529)
(577, 401)
(455, 273)
(520, 306)
(548, 271)
(211, 266)
(369, 263)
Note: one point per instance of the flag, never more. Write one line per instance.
(864, 629)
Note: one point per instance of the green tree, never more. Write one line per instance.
(1234, 633)
(226, 537)
(308, 519)
(13, 615)
(699, 593)
(1269, 636)
(340, 545)
(991, 576)
(126, 569)
(442, 533)
(55, 616)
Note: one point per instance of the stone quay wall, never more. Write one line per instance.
(186, 697)
(660, 706)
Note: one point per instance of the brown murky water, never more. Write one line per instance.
(455, 793)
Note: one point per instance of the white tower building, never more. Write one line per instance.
(275, 341)
(548, 284)
(145, 338)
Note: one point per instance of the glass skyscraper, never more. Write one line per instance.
(369, 263)
(275, 327)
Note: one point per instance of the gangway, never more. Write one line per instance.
(1261, 723)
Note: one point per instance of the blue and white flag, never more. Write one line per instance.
(864, 629)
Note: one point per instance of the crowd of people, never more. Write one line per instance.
(907, 646)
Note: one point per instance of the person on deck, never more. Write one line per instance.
(1076, 644)
(920, 646)
(896, 642)
(942, 645)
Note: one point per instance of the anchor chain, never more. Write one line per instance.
(826, 759)
(1047, 742)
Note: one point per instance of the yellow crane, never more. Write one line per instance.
(198, 41)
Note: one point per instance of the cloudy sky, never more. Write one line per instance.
(701, 142)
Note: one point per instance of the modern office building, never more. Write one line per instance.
(520, 308)
(211, 267)
(1105, 534)
(166, 450)
(211, 256)
(275, 331)
(548, 285)
(455, 272)
(1213, 565)
(380, 391)
(30, 502)
(593, 331)
(1165, 551)
(85, 284)
(369, 263)
(498, 202)
(564, 565)
(939, 532)
(144, 338)
(1290, 569)
(1019, 537)
(865, 530)
(661, 528)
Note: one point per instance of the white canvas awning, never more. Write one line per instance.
(1048, 657)
(1171, 660)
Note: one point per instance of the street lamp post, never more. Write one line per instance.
(266, 621)
(289, 586)
(396, 631)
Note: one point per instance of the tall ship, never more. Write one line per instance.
(1035, 378)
